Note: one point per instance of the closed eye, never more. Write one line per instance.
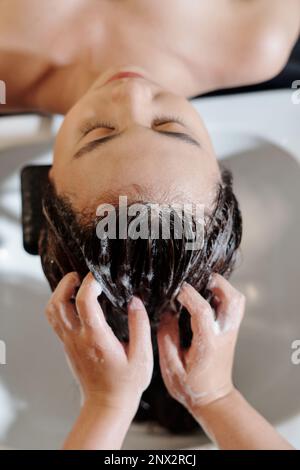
(88, 127)
(159, 121)
(92, 145)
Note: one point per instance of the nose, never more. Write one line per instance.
(133, 96)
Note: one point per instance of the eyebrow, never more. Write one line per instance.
(89, 147)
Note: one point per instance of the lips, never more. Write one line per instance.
(120, 75)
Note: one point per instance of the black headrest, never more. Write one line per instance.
(34, 180)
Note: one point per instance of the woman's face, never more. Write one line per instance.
(130, 135)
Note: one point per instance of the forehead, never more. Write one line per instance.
(172, 169)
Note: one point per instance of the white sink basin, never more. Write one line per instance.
(258, 137)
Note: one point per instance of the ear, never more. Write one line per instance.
(34, 180)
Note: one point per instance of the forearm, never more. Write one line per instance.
(99, 427)
(233, 424)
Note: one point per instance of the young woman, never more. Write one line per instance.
(121, 73)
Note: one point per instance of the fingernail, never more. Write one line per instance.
(98, 289)
(136, 304)
(76, 276)
(182, 290)
(184, 286)
(96, 285)
(211, 281)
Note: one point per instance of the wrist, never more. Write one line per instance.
(100, 425)
(120, 405)
(218, 401)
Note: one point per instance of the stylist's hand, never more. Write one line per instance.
(111, 373)
(201, 374)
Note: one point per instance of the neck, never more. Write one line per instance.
(58, 90)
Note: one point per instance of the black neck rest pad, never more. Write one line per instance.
(34, 180)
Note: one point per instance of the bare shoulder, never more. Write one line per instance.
(263, 35)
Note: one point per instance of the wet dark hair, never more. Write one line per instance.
(153, 269)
